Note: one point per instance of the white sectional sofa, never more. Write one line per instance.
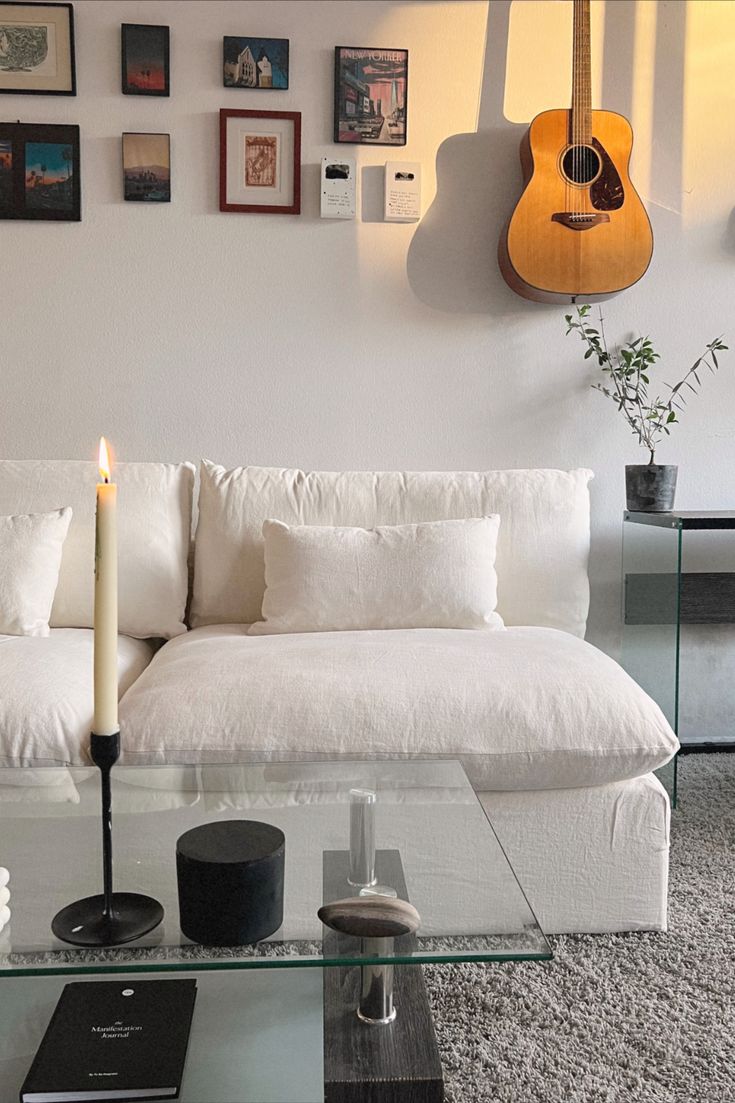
(558, 741)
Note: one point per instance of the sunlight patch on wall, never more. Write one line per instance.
(644, 55)
(539, 73)
(709, 110)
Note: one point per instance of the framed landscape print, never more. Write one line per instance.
(260, 161)
(39, 172)
(37, 49)
(146, 167)
(255, 62)
(145, 60)
(370, 95)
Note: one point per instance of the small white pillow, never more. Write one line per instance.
(30, 558)
(436, 574)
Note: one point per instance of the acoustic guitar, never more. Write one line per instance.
(579, 229)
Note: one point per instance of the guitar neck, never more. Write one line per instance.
(580, 117)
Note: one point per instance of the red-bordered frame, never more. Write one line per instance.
(260, 208)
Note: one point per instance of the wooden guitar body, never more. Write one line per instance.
(568, 240)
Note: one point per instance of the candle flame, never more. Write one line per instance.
(104, 461)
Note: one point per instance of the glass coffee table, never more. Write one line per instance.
(274, 1022)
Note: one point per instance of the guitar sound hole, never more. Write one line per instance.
(580, 164)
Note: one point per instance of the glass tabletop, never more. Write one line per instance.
(433, 840)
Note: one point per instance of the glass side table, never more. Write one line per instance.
(679, 588)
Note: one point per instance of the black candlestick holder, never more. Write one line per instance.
(111, 918)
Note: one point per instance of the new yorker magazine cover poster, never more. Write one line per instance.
(370, 95)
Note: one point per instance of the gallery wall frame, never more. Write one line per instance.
(40, 172)
(370, 96)
(260, 161)
(37, 49)
(145, 55)
(146, 163)
(250, 62)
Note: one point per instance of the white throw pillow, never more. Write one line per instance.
(30, 558)
(543, 544)
(154, 503)
(439, 574)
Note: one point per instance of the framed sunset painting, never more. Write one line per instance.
(39, 172)
(145, 60)
(146, 168)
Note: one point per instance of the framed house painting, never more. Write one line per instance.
(255, 63)
(146, 167)
(37, 49)
(145, 60)
(39, 172)
(370, 95)
(260, 161)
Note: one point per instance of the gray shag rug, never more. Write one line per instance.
(645, 1018)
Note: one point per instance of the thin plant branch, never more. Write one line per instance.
(627, 369)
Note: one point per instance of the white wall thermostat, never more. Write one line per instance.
(402, 191)
(339, 187)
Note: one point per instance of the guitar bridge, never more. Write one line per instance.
(580, 220)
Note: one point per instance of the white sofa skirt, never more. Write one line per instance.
(592, 860)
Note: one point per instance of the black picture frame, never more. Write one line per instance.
(237, 75)
(360, 106)
(40, 184)
(66, 37)
(146, 180)
(145, 53)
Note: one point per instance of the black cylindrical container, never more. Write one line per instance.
(230, 876)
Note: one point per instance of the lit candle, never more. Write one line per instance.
(105, 602)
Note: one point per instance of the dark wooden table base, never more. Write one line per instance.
(395, 1063)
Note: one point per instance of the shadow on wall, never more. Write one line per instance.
(728, 240)
(452, 260)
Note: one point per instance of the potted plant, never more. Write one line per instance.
(650, 487)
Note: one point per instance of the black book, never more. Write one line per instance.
(122, 1040)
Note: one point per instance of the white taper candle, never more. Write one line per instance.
(105, 602)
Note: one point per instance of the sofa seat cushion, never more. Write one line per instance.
(46, 694)
(526, 708)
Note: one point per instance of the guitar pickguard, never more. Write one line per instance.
(606, 193)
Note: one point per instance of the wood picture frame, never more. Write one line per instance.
(370, 96)
(260, 161)
(40, 172)
(145, 51)
(37, 49)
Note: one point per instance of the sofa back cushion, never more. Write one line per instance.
(543, 543)
(154, 531)
(30, 557)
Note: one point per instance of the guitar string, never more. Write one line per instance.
(572, 132)
(585, 47)
(569, 139)
(574, 108)
(577, 151)
(576, 156)
(583, 64)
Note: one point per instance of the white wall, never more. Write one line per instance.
(179, 331)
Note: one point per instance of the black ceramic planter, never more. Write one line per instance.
(650, 487)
